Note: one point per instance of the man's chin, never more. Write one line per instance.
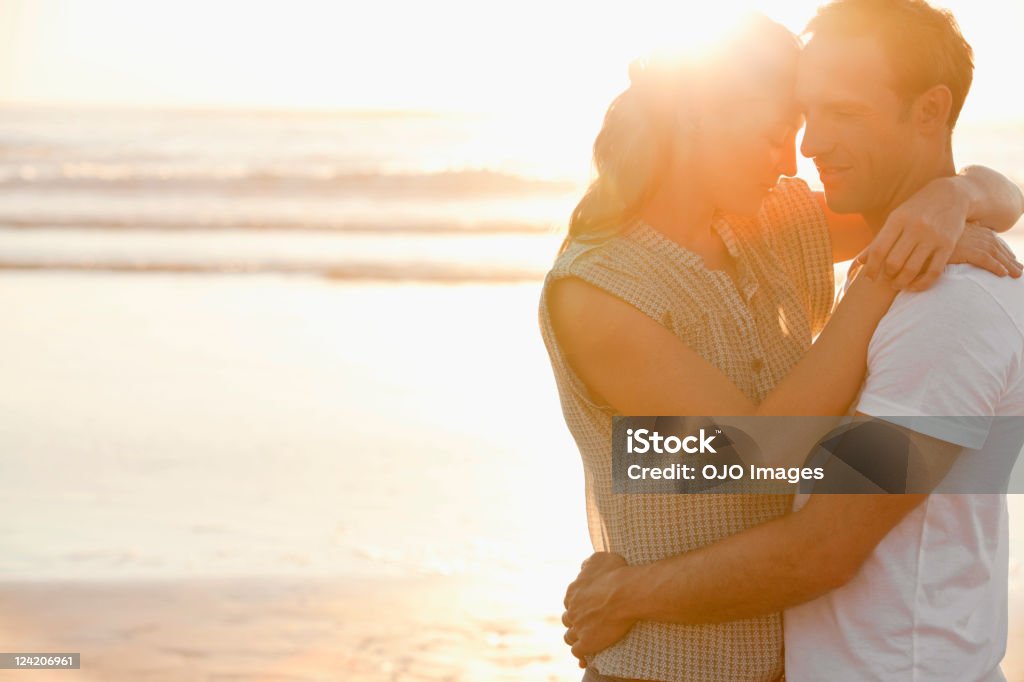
(839, 202)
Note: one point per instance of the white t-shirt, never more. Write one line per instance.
(930, 602)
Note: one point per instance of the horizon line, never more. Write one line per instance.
(266, 109)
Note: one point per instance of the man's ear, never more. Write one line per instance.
(931, 109)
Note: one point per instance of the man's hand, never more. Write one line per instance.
(593, 618)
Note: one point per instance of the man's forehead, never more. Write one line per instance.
(854, 68)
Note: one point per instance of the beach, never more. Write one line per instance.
(300, 630)
(223, 481)
(303, 630)
(216, 483)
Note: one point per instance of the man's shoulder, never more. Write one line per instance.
(964, 296)
(955, 350)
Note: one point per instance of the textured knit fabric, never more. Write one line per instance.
(754, 334)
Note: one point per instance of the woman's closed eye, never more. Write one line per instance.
(842, 114)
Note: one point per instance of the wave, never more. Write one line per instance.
(440, 273)
(201, 223)
(128, 178)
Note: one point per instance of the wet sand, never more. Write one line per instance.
(420, 629)
(429, 629)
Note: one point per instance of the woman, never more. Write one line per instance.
(692, 283)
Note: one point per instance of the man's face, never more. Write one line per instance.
(857, 133)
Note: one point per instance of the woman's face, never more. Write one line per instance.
(743, 144)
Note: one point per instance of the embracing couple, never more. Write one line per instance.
(693, 279)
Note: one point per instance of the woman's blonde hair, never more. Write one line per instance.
(634, 149)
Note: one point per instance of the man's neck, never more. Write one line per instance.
(919, 175)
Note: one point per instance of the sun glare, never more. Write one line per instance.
(676, 29)
(448, 55)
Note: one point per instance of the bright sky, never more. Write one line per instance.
(443, 54)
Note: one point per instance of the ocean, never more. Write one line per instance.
(349, 196)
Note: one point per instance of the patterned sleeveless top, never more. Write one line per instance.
(754, 334)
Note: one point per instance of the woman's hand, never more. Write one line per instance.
(978, 246)
(921, 234)
(983, 248)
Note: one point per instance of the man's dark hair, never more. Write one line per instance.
(924, 44)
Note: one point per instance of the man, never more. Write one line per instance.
(875, 587)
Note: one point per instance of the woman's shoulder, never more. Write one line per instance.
(618, 267)
(612, 254)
